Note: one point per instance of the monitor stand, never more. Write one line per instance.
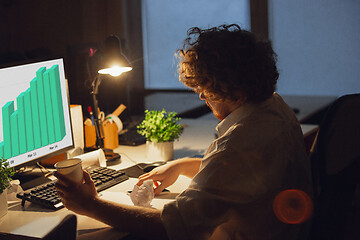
(31, 179)
(110, 155)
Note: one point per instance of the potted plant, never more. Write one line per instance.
(6, 173)
(161, 129)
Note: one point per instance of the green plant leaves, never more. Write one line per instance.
(6, 173)
(160, 126)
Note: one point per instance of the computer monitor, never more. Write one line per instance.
(35, 115)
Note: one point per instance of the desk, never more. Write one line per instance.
(184, 102)
(36, 221)
(308, 106)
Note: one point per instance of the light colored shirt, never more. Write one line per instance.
(259, 153)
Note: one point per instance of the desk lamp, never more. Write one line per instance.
(112, 61)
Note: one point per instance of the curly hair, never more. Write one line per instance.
(227, 62)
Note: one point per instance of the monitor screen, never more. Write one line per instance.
(35, 116)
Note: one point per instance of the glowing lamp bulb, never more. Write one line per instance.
(115, 70)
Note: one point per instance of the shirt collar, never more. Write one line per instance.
(234, 117)
(239, 114)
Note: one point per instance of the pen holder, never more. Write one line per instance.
(111, 137)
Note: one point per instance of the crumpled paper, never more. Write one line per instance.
(143, 195)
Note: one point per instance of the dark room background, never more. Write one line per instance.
(41, 29)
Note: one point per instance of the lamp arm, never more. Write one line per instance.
(98, 123)
(95, 85)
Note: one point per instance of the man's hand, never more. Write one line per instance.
(82, 198)
(78, 197)
(167, 174)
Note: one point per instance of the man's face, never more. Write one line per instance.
(219, 108)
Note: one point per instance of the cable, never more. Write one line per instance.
(137, 164)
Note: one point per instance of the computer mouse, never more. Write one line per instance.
(151, 166)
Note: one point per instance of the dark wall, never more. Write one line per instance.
(39, 29)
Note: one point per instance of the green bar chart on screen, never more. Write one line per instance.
(48, 108)
(29, 122)
(38, 120)
(56, 99)
(21, 122)
(42, 108)
(35, 112)
(14, 129)
(7, 110)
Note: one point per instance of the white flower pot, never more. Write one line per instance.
(3, 203)
(161, 151)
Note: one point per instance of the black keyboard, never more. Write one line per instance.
(46, 194)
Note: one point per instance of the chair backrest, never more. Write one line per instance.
(66, 229)
(336, 167)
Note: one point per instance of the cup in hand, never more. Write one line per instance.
(71, 168)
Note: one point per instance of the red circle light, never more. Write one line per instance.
(293, 206)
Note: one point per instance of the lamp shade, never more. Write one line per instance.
(113, 61)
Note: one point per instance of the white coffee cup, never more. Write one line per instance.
(71, 168)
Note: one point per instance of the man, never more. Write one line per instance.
(259, 152)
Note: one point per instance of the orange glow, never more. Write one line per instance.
(293, 206)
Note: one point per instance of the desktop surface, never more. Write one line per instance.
(35, 221)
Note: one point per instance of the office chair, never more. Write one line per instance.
(66, 229)
(335, 164)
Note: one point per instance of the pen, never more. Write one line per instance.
(91, 115)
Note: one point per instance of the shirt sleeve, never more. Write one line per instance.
(192, 216)
(215, 197)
